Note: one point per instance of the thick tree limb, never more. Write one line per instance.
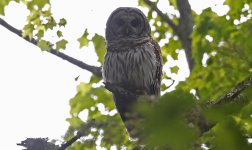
(233, 93)
(186, 19)
(229, 97)
(93, 69)
(183, 29)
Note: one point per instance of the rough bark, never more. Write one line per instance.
(185, 29)
(235, 92)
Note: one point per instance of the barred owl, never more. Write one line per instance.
(133, 60)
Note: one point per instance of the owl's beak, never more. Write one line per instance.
(127, 31)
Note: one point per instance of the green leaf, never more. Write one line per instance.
(165, 122)
(174, 69)
(173, 3)
(40, 3)
(100, 48)
(28, 31)
(174, 55)
(82, 100)
(142, 3)
(83, 39)
(2, 10)
(40, 34)
(228, 136)
(94, 79)
(83, 87)
(75, 122)
(51, 23)
(163, 87)
(219, 113)
(46, 13)
(171, 48)
(44, 45)
(61, 44)
(235, 7)
(59, 34)
(103, 96)
(62, 22)
(3, 3)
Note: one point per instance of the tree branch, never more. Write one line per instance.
(93, 69)
(119, 90)
(79, 134)
(186, 19)
(162, 15)
(183, 29)
(233, 93)
(38, 144)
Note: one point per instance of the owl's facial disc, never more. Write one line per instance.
(127, 24)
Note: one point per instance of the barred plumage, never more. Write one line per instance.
(133, 60)
(133, 69)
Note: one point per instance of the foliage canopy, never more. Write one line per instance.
(221, 51)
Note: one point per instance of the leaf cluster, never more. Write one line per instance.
(221, 50)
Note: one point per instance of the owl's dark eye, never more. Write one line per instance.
(134, 23)
(119, 22)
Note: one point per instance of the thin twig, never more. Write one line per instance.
(162, 15)
(173, 81)
(70, 142)
(79, 134)
(93, 69)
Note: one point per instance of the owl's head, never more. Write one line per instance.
(127, 23)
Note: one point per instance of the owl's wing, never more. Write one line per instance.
(155, 88)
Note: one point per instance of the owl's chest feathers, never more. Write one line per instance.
(134, 68)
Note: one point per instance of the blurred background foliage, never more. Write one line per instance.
(221, 51)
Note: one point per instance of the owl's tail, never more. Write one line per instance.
(125, 101)
(125, 107)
